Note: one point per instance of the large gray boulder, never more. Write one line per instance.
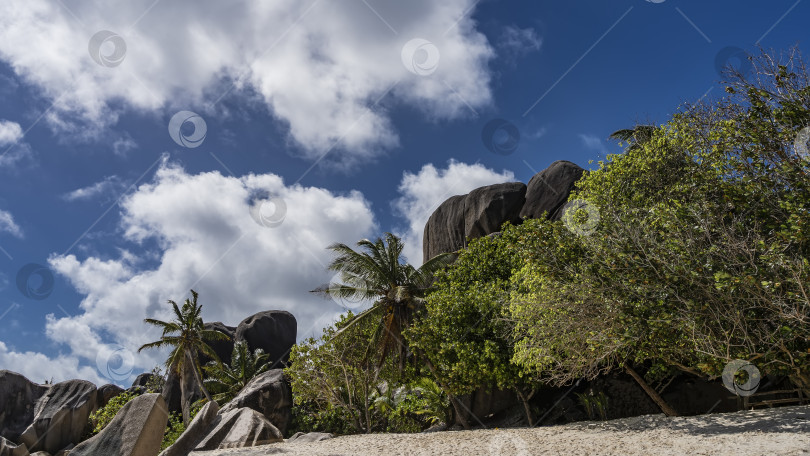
(240, 428)
(18, 397)
(268, 394)
(274, 331)
(197, 430)
(444, 231)
(106, 393)
(548, 190)
(223, 348)
(487, 208)
(479, 213)
(172, 393)
(9, 449)
(143, 379)
(61, 416)
(136, 430)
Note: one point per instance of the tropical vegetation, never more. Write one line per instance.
(688, 250)
(226, 380)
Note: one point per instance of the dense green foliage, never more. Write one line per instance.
(339, 388)
(466, 336)
(226, 380)
(701, 252)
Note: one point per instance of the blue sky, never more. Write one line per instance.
(328, 108)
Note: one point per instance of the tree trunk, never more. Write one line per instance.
(459, 409)
(462, 420)
(186, 390)
(666, 408)
(525, 401)
(197, 378)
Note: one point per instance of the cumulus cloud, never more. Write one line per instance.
(11, 149)
(330, 71)
(8, 225)
(424, 191)
(39, 368)
(205, 236)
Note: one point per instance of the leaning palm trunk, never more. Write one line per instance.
(190, 386)
(186, 392)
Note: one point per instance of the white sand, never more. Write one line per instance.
(783, 431)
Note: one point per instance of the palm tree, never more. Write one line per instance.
(229, 379)
(186, 335)
(380, 274)
(635, 136)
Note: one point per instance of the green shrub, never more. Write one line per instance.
(175, 427)
(102, 417)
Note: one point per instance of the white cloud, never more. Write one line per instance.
(10, 132)
(423, 192)
(123, 145)
(109, 188)
(518, 41)
(593, 143)
(8, 225)
(208, 240)
(38, 368)
(320, 66)
(11, 149)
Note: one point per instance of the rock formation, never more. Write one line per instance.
(197, 430)
(60, 416)
(548, 190)
(484, 210)
(240, 428)
(310, 437)
(274, 331)
(18, 395)
(136, 430)
(9, 449)
(471, 216)
(223, 348)
(107, 392)
(268, 394)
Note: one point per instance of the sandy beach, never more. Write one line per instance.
(784, 431)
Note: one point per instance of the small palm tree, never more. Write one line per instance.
(186, 335)
(380, 274)
(635, 136)
(226, 380)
